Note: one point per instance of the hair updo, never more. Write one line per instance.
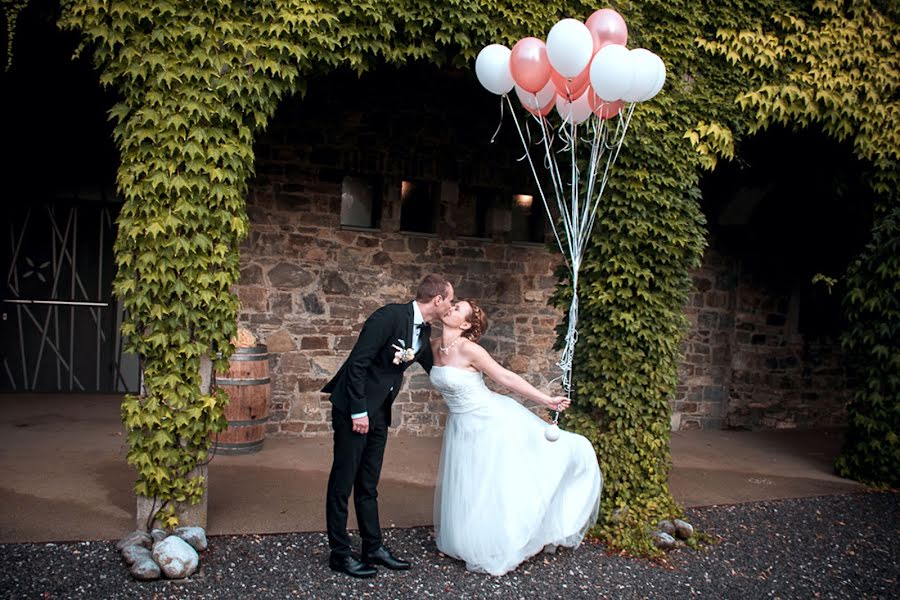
(478, 322)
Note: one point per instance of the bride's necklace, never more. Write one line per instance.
(450, 347)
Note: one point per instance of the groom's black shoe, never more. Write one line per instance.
(351, 565)
(383, 557)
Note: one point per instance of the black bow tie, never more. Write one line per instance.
(422, 325)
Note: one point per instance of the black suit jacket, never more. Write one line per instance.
(368, 378)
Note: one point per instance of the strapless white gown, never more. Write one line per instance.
(503, 491)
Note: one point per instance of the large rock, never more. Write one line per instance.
(662, 540)
(159, 535)
(138, 537)
(683, 529)
(145, 570)
(666, 526)
(195, 536)
(134, 554)
(176, 557)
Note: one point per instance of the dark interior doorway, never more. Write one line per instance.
(56, 133)
(792, 205)
(58, 319)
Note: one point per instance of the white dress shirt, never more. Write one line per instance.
(418, 319)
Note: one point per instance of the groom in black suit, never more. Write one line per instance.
(362, 393)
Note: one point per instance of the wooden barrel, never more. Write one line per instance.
(248, 386)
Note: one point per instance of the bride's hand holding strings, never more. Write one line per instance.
(559, 403)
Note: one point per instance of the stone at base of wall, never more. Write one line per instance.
(189, 515)
(675, 422)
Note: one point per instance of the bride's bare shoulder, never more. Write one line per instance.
(470, 348)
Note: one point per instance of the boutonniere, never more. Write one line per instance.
(402, 354)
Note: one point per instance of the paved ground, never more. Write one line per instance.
(65, 476)
(784, 525)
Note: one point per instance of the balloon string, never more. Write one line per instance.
(524, 144)
(564, 134)
(611, 160)
(575, 219)
(500, 124)
(556, 179)
(537, 180)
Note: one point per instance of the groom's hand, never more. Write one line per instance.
(361, 425)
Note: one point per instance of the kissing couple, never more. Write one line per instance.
(504, 493)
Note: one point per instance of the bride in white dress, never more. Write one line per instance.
(504, 492)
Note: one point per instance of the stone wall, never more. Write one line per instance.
(307, 283)
(745, 364)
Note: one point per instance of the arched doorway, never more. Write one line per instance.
(792, 205)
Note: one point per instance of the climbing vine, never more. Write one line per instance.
(11, 10)
(837, 66)
(196, 80)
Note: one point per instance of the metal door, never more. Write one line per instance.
(60, 323)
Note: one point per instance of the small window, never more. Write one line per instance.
(418, 206)
(529, 218)
(360, 202)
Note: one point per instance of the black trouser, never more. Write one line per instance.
(357, 465)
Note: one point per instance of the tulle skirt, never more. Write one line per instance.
(504, 492)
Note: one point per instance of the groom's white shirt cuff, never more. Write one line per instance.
(359, 415)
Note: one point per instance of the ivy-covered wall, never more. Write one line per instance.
(197, 80)
(743, 362)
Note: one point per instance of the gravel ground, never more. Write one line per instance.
(828, 547)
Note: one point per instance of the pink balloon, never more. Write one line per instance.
(607, 27)
(570, 89)
(529, 64)
(602, 108)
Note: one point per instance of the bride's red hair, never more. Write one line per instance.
(477, 320)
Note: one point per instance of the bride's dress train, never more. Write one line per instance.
(503, 491)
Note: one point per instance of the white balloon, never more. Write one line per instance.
(611, 72)
(660, 79)
(536, 101)
(576, 111)
(492, 69)
(551, 433)
(569, 47)
(645, 74)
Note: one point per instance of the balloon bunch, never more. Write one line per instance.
(585, 71)
(582, 69)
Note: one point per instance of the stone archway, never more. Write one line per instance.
(764, 348)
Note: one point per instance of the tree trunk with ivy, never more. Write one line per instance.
(194, 81)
